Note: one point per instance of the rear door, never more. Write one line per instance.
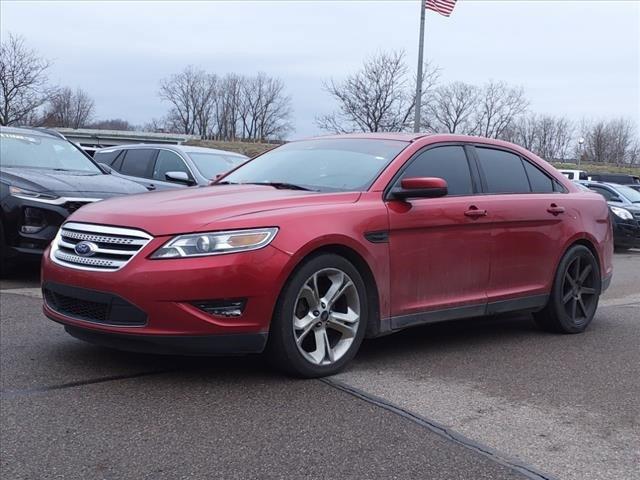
(527, 211)
(439, 247)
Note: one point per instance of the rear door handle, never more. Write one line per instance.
(151, 186)
(555, 209)
(475, 212)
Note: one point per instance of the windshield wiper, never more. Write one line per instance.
(282, 186)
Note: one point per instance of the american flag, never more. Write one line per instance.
(443, 7)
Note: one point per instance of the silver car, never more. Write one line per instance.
(160, 167)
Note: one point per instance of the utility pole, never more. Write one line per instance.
(416, 122)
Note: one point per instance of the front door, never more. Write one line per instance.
(439, 247)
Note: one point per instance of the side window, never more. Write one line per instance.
(503, 171)
(137, 162)
(106, 156)
(449, 163)
(168, 162)
(607, 194)
(539, 181)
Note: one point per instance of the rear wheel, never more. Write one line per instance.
(5, 263)
(319, 322)
(574, 295)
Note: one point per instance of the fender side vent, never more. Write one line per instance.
(381, 236)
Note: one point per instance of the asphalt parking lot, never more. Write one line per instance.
(480, 399)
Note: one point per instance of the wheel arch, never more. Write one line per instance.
(363, 267)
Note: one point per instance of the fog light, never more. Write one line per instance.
(222, 308)
(34, 220)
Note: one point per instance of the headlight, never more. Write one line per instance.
(31, 195)
(215, 243)
(622, 213)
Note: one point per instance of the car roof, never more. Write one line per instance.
(433, 138)
(176, 148)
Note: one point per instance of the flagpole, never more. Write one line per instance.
(416, 122)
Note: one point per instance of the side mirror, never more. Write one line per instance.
(178, 177)
(421, 187)
(105, 167)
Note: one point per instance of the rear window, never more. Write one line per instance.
(138, 162)
(503, 171)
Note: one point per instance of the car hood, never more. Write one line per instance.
(196, 209)
(70, 184)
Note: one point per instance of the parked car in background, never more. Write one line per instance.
(619, 178)
(310, 246)
(624, 203)
(574, 174)
(44, 178)
(160, 167)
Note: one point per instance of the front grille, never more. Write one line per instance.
(109, 248)
(92, 306)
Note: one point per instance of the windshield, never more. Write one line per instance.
(37, 151)
(629, 193)
(212, 164)
(345, 164)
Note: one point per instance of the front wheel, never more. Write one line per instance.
(320, 318)
(574, 295)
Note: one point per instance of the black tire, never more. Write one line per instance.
(282, 349)
(6, 266)
(575, 293)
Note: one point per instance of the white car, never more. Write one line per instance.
(575, 174)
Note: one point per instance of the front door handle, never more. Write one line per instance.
(555, 209)
(475, 212)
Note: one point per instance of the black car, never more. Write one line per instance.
(619, 178)
(44, 178)
(159, 167)
(624, 204)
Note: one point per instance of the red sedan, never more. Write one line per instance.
(310, 247)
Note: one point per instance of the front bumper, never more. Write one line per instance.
(164, 293)
(626, 234)
(235, 344)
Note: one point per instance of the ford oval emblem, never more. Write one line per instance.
(85, 249)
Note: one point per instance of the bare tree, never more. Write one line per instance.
(226, 112)
(498, 107)
(69, 108)
(453, 108)
(612, 141)
(112, 124)
(185, 91)
(547, 136)
(22, 81)
(264, 108)
(379, 97)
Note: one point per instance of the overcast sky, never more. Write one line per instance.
(574, 58)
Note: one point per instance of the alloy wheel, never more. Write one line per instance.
(326, 316)
(579, 292)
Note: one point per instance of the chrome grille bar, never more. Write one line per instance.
(111, 247)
